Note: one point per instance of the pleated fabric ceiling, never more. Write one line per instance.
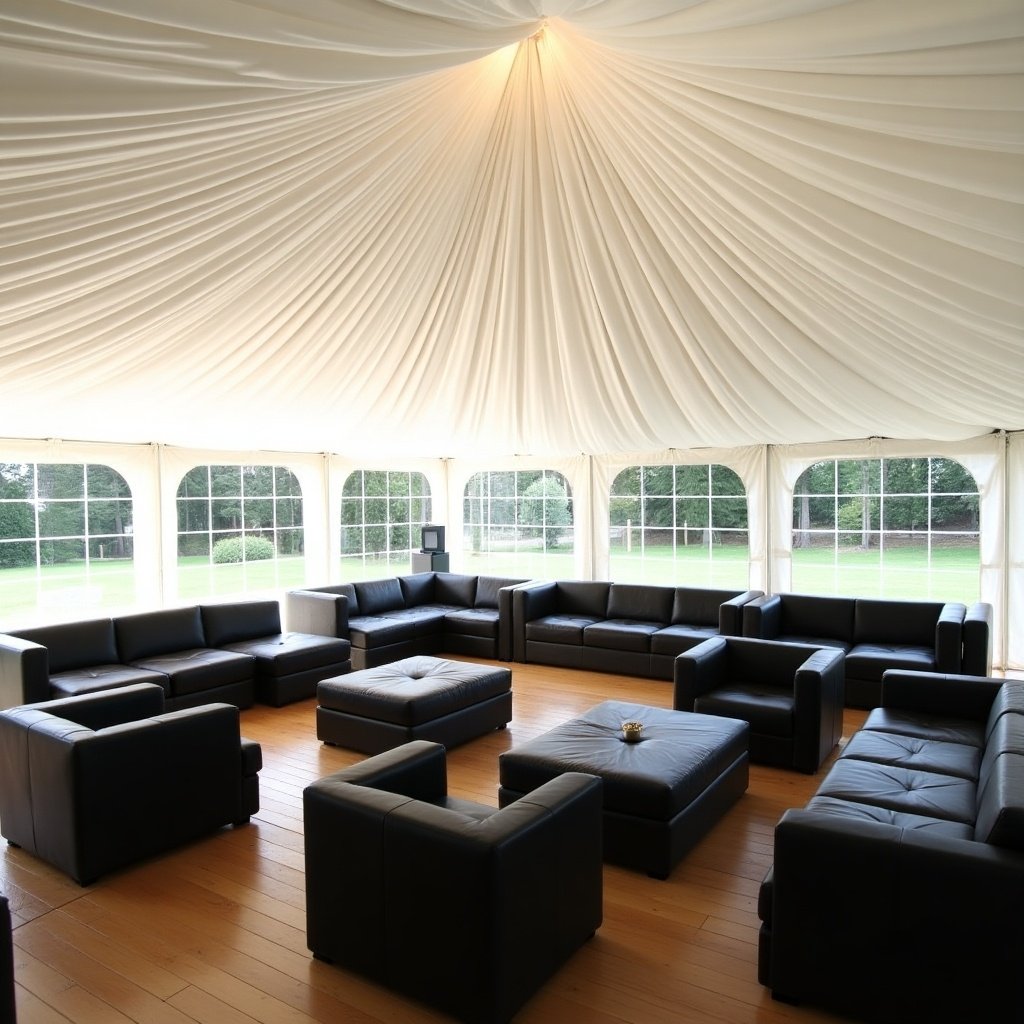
(473, 226)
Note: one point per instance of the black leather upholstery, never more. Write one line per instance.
(897, 893)
(467, 908)
(877, 635)
(791, 694)
(619, 627)
(422, 613)
(90, 784)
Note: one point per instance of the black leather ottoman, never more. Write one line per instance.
(661, 794)
(419, 698)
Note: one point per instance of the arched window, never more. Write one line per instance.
(684, 525)
(381, 513)
(518, 523)
(65, 541)
(239, 530)
(898, 528)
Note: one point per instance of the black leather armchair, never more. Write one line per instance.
(791, 694)
(465, 907)
(92, 783)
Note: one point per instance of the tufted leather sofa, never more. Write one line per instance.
(399, 617)
(633, 629)
(876, 635)
(897, 893)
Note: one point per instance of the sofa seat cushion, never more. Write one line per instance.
(768, 709)
(200, 668)
(928, 755)
(870, 660)
(370, 631)
(902, 789)
(901, 819)
(816, 641)
(928, 727)
(426, 619)
(103, 677)
(673, 640)
(285, 653)
(621, 634)
(473, 622)
(559, 629)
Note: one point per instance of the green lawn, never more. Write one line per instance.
(900, 573)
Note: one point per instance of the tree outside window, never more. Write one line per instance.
(519, 523)
(898, 528)
(381, 515)
(680, 525)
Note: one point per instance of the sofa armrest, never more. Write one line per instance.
(416, 770)
(977, 650)
(310, 611)
(730, 614)
(762, 617)
(24, 672)
(699, 670)
(818, 694)
(915, 907)
(530, 601)
(949, 637)
(935, 693)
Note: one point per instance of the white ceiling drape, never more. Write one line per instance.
(469, 227)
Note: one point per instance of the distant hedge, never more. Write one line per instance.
(255, 549)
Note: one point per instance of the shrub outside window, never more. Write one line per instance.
(682, 525)
(381, 515)
(239, 530)
(896, 528)
(65, 541)
(519, 523)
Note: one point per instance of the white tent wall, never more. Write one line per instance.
(154, 472)
(1014, 557)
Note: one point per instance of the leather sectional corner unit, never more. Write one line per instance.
(399, 617)
(633, 629)
(897, 893)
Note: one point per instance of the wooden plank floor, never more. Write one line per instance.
(215, 932)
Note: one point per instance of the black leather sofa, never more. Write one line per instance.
(96, 782)
(897, 893)
(466, 907)
(398, 617)
(203, 653)
(632, 629)
(876, 635)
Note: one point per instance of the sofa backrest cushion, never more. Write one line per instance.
(378, 596)
(417, 588)
(646, 603)
(583, 597)
(72, 645)
(695, 606)
(487, 588)
(151, 633)
(454, 588)
(812, 615)
(239, 620)
(898, 622)
(1009, 700)
(765, 661)
(1000, 818)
